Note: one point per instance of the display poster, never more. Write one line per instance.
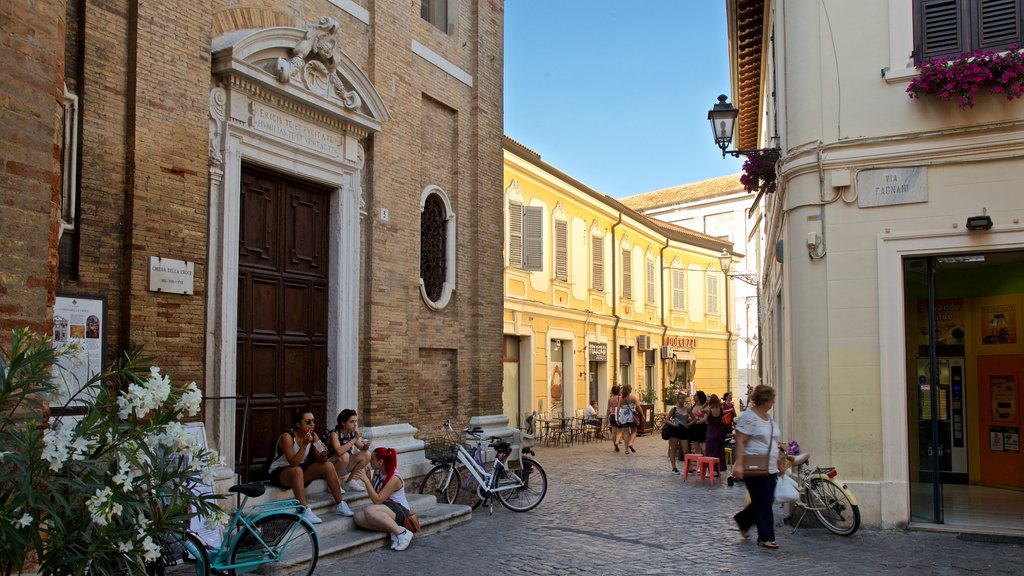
(1004, 439)
(200, 524)
(949, 321)
(1004, 398)
(999, 324)
(79, 329)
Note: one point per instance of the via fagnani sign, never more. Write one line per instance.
(891, 186)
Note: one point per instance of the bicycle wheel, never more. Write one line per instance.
(197, 549)
(294, 539)
(442, 482)
(832, 507)
(535, 487)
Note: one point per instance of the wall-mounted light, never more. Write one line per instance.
(983, 222)
(723, 121)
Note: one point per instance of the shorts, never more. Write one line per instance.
(613, 422)
(673, 432)
(632, 424)
(398, 509)
(275, 475)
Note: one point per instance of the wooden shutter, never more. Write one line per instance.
(562, 250)
(679, 289)
(712, 285)
(650, 281)
(515, 234)
(627, 274)
(533, 238)
(940, 29)
(597, 262)
(999, 24)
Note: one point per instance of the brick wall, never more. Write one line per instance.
(31, 104)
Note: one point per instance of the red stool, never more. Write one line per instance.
(695, 458)
(706, 463)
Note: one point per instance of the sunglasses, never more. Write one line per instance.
(312, 421)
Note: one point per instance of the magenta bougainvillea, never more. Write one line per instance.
(759, 171)
(961, 78)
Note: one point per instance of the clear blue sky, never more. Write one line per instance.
(616, 94)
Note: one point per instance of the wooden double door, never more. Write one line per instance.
(283, 270)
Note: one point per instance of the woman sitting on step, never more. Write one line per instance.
(295, 467)
(387, 491)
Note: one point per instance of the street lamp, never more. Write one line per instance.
(725, 262)
(723, 122)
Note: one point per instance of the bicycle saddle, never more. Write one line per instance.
(499, 445)
(251, 489)
(799, 458)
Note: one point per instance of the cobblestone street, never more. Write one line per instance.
(608, 513)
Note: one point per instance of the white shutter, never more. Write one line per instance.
(597, 262)
(650, 280)
(533, 238)
(679, 289)
(562, 250)
(515, 234)
(712, 294)
(627, 274)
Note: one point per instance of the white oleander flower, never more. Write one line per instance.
(55, 447)
(98, 508)
(81, 447)
(152, 550)
(191, 400)
(125, 475)
(125, 547)
(25, 521)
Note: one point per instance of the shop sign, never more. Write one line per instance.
(680, 342)
(597, 351)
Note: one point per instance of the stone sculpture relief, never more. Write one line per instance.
(315, 61)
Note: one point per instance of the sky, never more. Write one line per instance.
(616, 94)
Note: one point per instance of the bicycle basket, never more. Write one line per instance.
(439, 447)
(273, 530)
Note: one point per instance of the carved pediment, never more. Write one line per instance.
(308, 64)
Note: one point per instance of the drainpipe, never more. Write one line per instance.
(615, 308)
(728, 343)
(664, 325)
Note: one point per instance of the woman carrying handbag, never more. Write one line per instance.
(757, 446)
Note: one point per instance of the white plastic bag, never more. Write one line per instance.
(786, 490)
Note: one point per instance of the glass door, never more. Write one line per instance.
(925, 402)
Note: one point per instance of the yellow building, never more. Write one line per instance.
(597, 294)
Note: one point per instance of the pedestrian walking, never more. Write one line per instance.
(613, 415)
(628, 418)
(757, 438)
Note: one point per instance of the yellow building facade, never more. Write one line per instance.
(598, 295)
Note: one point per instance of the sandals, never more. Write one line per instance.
(631, 449)
(768, 545)
(616, 447)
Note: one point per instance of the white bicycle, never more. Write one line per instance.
(517, 487)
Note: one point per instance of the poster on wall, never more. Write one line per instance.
(1004, 398)
(1004, 439)
(999, 324)
(949, 322)
(79, 329)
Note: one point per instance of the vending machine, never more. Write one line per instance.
(952, 423)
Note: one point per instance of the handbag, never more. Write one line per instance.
(786, 490)
(758, 468)
(411, 523)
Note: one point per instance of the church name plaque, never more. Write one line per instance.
(300, 132)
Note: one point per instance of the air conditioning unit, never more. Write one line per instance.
(643, 342)
(666, 352)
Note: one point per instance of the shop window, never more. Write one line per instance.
(948, 28)
(437, 247)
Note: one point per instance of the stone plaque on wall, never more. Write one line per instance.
(891, 186)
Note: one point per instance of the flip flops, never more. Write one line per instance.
(768, 545)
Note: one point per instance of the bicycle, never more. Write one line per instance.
(272, 533)
(831, 501)
(518, 490)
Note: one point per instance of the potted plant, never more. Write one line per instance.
(759, 171)
(94, 494)
(961, 78)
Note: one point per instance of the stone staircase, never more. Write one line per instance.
(339, 537)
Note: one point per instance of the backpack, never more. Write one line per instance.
(625, 413)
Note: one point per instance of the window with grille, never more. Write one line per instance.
(650, 281)
(436, 12)
(525, 236)
(679, 289)
(712, 285)
(561, 250)
(627, 273)
(437, 247)
(69, 164)
(597, 262)
(948, 28)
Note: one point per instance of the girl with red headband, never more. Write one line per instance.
(387, 491)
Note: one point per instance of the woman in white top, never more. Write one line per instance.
(387, 491)
(629, 416)
(757, 435)
(294, 469)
